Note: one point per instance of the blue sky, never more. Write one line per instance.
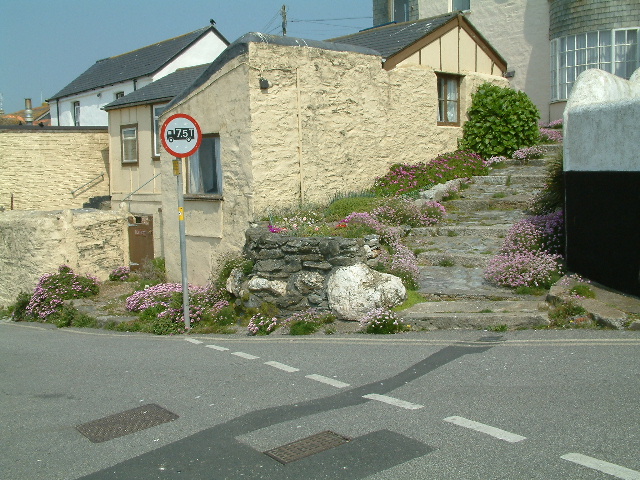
(45, 44)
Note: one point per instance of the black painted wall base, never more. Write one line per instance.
(602, 215)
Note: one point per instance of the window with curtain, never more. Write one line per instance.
(76, 114)
(448, 100)
(204, 168)
(129, 140)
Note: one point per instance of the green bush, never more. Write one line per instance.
(551, 197)
(341, 207)
(501, 121)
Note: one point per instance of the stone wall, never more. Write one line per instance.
(292, 272)
(40, 167)
(35, 243)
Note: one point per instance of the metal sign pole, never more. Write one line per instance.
(177, 171)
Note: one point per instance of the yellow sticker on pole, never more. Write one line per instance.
(176, 167)
(180, 213)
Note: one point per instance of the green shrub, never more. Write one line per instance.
(551, 197)
(340, 208)
(307, 322)
(501, 120)
(18, 310)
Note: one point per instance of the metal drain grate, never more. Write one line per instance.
(307, 446)
(124, 423)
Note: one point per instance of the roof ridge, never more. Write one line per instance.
(154, 44)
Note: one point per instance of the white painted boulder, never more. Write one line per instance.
(357, 289)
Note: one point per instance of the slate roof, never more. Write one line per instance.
(163, 89)
(391, 38)
(138, 63)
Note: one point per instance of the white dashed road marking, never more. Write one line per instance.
(193, 340)
(328, 381)
(282, 366)
(248, 356)
(393, 401)
(602, 466)
(216, 347)
(489, 430)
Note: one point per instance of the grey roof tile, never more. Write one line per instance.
(138, 63)
(165, 88)
(391, 38)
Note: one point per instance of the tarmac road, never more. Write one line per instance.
(436, 405)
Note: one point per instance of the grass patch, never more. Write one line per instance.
(536, 291)
(498, 328)
(413, 297)
(446, 262)
(583, 291)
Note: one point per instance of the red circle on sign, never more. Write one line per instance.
(177, 139)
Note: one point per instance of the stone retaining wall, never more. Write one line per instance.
(35, 243)
(292, 272)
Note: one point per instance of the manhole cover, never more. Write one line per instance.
(124, 423)
(307, 446)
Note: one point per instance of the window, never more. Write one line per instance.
(448, 100)
(460, 5)
(76, 114)
(129, 138)
(157, 110)
(119, 95)
(400, 10)
(204, 169)
(614, 51)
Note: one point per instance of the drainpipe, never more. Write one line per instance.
(28, 112)
(58, 110)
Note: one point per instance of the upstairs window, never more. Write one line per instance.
(448, 100)
(204, 168)
(400, 10)
(129, 140)
(460, 5)
(76, 114)
(157, 110)
(119, 95)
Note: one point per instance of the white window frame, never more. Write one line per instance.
(156, 128)
(118, 95)
(572, 54)
(205, 180)
(76, 113)
(129, 136)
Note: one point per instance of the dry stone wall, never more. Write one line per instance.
(35, 243)
(41, 167)
(292, 272)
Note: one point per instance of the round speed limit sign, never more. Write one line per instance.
(181, 135)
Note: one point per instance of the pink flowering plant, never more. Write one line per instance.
(120, 274)
(307, 321)
(261, 324)
(382, 321)
(161, 305)
(53, 288)
(528, 153)
(530, 254)
(409, 179)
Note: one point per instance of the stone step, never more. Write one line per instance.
(486, 218)
(460, 230)
(459, 244)
(476, 314)
(452, 258)
(510, 179)
(514, 202)
(461, 283)
(507, 321)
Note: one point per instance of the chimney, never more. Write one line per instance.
(28, 113)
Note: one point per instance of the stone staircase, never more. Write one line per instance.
(453, 255)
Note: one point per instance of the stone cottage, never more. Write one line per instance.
(287, 121)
